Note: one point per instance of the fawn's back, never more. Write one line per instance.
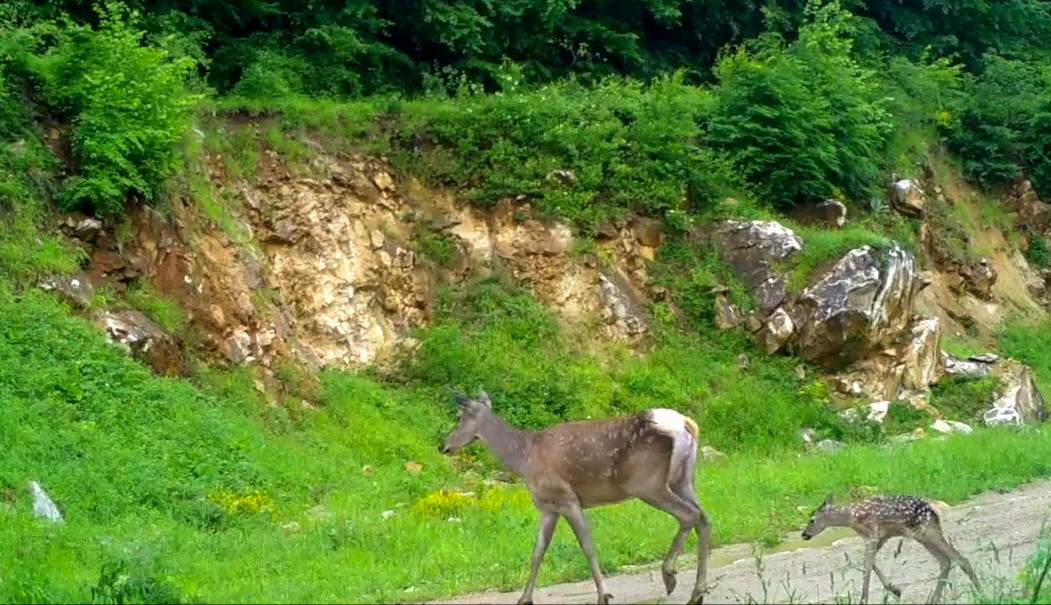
(890, 516)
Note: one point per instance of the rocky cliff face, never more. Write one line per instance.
(333, 267)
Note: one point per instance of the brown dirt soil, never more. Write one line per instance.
(996, 532)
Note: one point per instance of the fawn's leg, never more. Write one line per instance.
(548, 523)
(879, 574)
(685, 490)
(574, 514)
(688, 516)
(870, 562)
(944, 560)
(934, 540)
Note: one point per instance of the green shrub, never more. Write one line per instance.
(995, 123)
(628, 146)
(801, 120)
(1037, 252)
(129, 105)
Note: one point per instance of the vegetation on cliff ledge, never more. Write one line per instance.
(203, 490)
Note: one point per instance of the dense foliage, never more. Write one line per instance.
(807, 100)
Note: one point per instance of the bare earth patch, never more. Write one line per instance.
(997, 532)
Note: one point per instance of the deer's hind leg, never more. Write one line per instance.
(684, 488)
(686, 514)
(934, 541)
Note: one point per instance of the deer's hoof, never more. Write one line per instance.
(697, 598)
(605, 599)
(525, 601)
(894, 590)
(669, 579)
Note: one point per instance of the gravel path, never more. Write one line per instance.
(997, 532)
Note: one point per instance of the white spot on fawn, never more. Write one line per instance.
(667, 421)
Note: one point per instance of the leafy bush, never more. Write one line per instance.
(801, 120)
(1037, 252)
(996, 124)
(628, 146)
(128, 104)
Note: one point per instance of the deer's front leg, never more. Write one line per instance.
(870, 562)
(575, 516)
(548, 523)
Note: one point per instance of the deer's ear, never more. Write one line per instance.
(484, 398)
(462, 400)
(828, 500)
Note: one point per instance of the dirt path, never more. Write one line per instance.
(997, 532)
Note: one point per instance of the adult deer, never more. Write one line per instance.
(573, 466)
(880, 518)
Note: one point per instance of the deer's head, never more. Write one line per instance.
(472, 412)
(819, 519)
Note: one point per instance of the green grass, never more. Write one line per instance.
(164, 311)
(823, 247)
(201, 492)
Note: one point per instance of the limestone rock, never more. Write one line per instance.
(776, 332)
(75, 289)
(907, 198)
(979, 279)
(969, 368)
(861, 304)
(830, 214)
(1021, 401)
(1032, 214)
(43, 506)
(145, 340)
(950, 426)
(88, 230)
(922, 354)
(752, 248)
(727, 315)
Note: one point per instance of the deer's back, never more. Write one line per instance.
(896, 515)
(597, 457)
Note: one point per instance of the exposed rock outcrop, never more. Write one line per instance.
(860, 305)
(753, 248)
(1031, 213)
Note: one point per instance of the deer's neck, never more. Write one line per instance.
(840, 517)
(508, 444)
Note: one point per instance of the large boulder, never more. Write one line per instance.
(145, 340)
(752, 248)
(907, 198)
(1021, 400)
(909, 365)
(830, 214)
(862, 304)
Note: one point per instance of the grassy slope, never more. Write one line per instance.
(211, 494)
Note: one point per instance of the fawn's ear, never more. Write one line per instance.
(462, 399)
(484, 398)
(828, 500)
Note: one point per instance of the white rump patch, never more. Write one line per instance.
(667, 421)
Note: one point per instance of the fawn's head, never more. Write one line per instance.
(820, 519)
(472, 412)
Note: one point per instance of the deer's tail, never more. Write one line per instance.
(683, 451)
(939, 507)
